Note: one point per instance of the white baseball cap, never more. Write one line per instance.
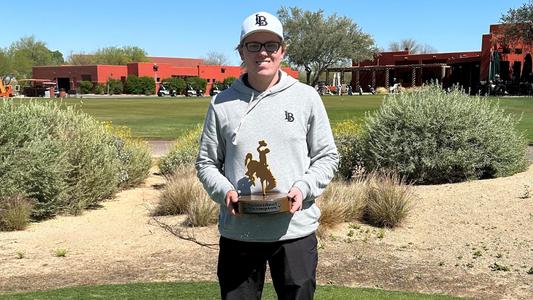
(261, 22)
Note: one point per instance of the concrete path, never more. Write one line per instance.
(160, 148)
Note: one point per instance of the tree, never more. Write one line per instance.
(109, 56)
(216, 58)
(119, 56)
(80, 59)
(5, 62)
(28, 52)
(412, 46)
(518, 24)
(316, 42)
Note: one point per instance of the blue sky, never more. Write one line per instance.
(193, 28)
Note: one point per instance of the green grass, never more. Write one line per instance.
(167, 118)
(520, 106)
(202, 290)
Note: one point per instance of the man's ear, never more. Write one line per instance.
(284, 48)
(241, 54)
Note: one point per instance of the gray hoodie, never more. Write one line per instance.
(291, 119)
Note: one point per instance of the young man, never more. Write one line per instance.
(287, 120)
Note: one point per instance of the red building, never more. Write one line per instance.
(67, 77)
(473, 70)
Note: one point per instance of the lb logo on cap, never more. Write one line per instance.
(260, 20)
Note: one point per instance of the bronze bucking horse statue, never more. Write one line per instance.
(260, 169)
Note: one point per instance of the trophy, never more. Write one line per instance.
(267, 202)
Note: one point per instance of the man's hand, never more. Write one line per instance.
(232, 199)
(295, 195)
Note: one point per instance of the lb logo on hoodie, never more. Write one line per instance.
(289, 116)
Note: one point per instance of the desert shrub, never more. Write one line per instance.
(92, 158)
(184, 194)
(15, 212)
(348, 138)
(85, 86)
(387, 199)
(381, 90)
(62, 159)
(184, 152)
(134, 155)
(430, 136)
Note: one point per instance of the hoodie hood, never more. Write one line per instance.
(255, 97)
(285, 81)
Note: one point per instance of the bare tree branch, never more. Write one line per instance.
(184, 234)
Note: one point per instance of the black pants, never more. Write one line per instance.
(242, 267)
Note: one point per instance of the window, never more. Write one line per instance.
(213, 80)
(158, 79)
(506, 50)
(518, 51)
(222, 70)
(86, 77)
(208, 80)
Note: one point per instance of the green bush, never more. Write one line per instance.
(99, 89)
(348, 138)
(146, 85)
(175, 83)
(430, 136)
(63, 160)
(85, 86)
(132, 85)
(197, 83)
(229, 81)
(183, 154)
(140, 85)
(115, 86)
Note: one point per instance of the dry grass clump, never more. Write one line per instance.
(342, 201)
(15, 212)
(380, 199)
(184, 194)
(388, 199)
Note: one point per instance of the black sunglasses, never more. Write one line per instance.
(256, 46)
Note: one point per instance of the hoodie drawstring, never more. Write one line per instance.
(251, 105)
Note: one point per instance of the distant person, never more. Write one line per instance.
(371, 89)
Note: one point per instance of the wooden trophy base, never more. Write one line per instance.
(269, 204)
